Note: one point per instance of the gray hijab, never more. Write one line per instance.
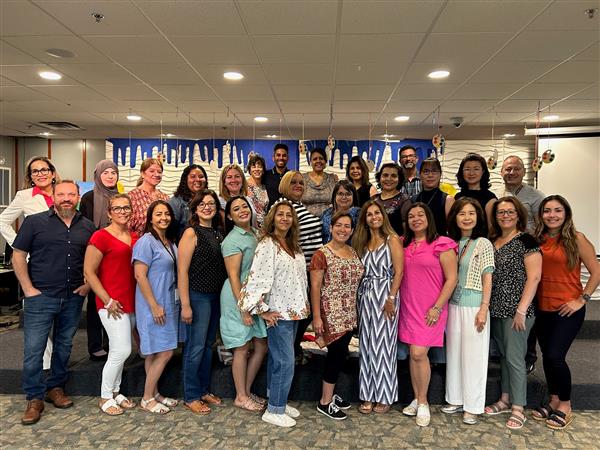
(102, 194)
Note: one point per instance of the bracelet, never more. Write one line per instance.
(522, 313)
(109, 304)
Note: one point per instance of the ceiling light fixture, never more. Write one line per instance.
(551, 117)
(401, 118)
(437, 74)
(261, 119)
(235, 76)
(46, 133)
(59, 53)
(168, 135)
(271, 136)
(389, 135)
(49, 75)
(507, 135)
(134, 117)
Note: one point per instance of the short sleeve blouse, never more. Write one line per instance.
(115, 271)
(508, 280)
(140, 201)
(207, 268)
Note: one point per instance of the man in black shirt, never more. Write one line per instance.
(54, 287)
(273, 176)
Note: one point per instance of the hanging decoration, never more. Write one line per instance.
(492, 161)
(548, 156)
(370, 162)
(438, 140)
(302, 142)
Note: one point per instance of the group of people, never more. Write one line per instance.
(410, 266)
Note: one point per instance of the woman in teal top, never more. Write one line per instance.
(468, 326)
(238, 329)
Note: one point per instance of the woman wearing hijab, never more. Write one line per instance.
(94, 205)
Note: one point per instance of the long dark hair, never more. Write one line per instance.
(293, 234)
(229, 224)
(431, 233)
(484, 183)
(28, 182)
(495, 230)
(183, 190)
(364, 180)
(217, 221)
(362, 232)
(387, 166)
(480, 227)
(171, 233)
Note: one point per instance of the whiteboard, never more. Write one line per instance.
(575, 174)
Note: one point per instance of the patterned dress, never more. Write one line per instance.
(258, 196)
(140, 201)
(378, 336)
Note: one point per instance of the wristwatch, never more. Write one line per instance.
(586, 297)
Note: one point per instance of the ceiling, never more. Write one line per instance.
(310, 67)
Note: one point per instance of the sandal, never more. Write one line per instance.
(381, 408)
(542, 412)
(167, 401)
(519, 420)
(258, 399)
(198, 407)
(124, 402)
(110, 407)
(559, 420)
(158, 408)
(365, 408)
(212, 400)
(499, 407)
(250, 405)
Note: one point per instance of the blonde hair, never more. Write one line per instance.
(223, 191)
(293, 235)
(146, 165)
(362, 233)
(286, 182)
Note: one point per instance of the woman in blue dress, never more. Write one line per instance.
(343, 199)
(157, 310)
(239, 329)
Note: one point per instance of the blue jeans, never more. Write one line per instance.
(40, 314)
(280, 365)
(200, 336)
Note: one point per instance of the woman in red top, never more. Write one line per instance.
(561, 302)
(108, 270)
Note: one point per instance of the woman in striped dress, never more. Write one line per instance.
(381, 252)
(291, 188)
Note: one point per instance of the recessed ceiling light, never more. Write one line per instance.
(401, 118)
(46, 133)
(437, 74)
(271, 136)
(551, 117)
(389, 135)
(134, 117)
(233, 76)
(47, 75)
(168, 135)
(59, 53)
(260, 119)
(507, 135)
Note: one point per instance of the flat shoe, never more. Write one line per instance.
(520, 421)
(381, 408)
(423, 415)
(411, 409)
(110, 407)
(249, 405)
(167, 401)
(559, 420)
(497, 408)
(213, 400)
(158, 407)
(451, 409)
(198, 407)
(124, 402)
(542, 413)
(365, 408)
(470, 419)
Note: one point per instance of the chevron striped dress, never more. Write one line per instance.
(378, 336)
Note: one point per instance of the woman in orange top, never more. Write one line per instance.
(561, 302)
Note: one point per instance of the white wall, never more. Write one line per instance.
(574, 174)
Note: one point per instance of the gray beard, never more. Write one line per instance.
(65, 213)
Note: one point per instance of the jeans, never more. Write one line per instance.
(200, 336)
(40, 314)
(119, 332)
(280, 365)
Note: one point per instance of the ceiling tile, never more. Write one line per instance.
(295, 49)
(124, 92)
(459, 71)
(363, 49)
(590, 54)
(547, 45)
(303, 92)
(96, 73)
(39, 106)
(369, 73)
(28, 75)
(424, 91)
(192, 18)
(468, 106)
(472, 47)
(244, 93)
(361, 106)
(577, 106)
(24, 18)
(566, 15)
(5, 81)
(520, 106)
(37, 46)
(299, 73)
(200, 106)
(401, 107)
(388, 16)
(359, 92)
(201, 50)
(10, 55)
(20, 93)
(254, 107)
(515, 71)
(148, 106)
(590, 93)
(185, 92)
(135, 49)
(68, 93)
(213, 74)
(281, 18)
(300, 107)
(163, 73)
(574, 72)
(548, 91)
(485, 91)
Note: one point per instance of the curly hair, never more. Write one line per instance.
(217, 221)
(183, 189)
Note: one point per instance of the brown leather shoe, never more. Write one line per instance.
(33, 412)
(57, 397)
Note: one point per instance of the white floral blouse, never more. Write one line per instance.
(276, 282)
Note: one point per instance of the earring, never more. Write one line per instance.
(53, 180)
(32, 184)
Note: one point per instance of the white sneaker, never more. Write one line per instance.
(279, 420)
(423, 415)
(411, 409)
(292, 412)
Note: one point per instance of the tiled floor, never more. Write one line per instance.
(84, 426)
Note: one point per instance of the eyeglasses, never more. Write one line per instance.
(344, 194)
(121, 209)
(507, 212)
(408, 156)
(429, 172)
(44, 171)
(206, 205)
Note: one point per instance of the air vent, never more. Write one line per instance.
(61, 126)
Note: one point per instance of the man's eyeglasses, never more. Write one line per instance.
(44, 171)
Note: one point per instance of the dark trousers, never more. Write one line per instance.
(337, 352)
(97, 338)
(555, 335)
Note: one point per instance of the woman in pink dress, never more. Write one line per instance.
(430, 276)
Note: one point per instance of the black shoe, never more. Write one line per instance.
(340, 402)
(331, 411)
